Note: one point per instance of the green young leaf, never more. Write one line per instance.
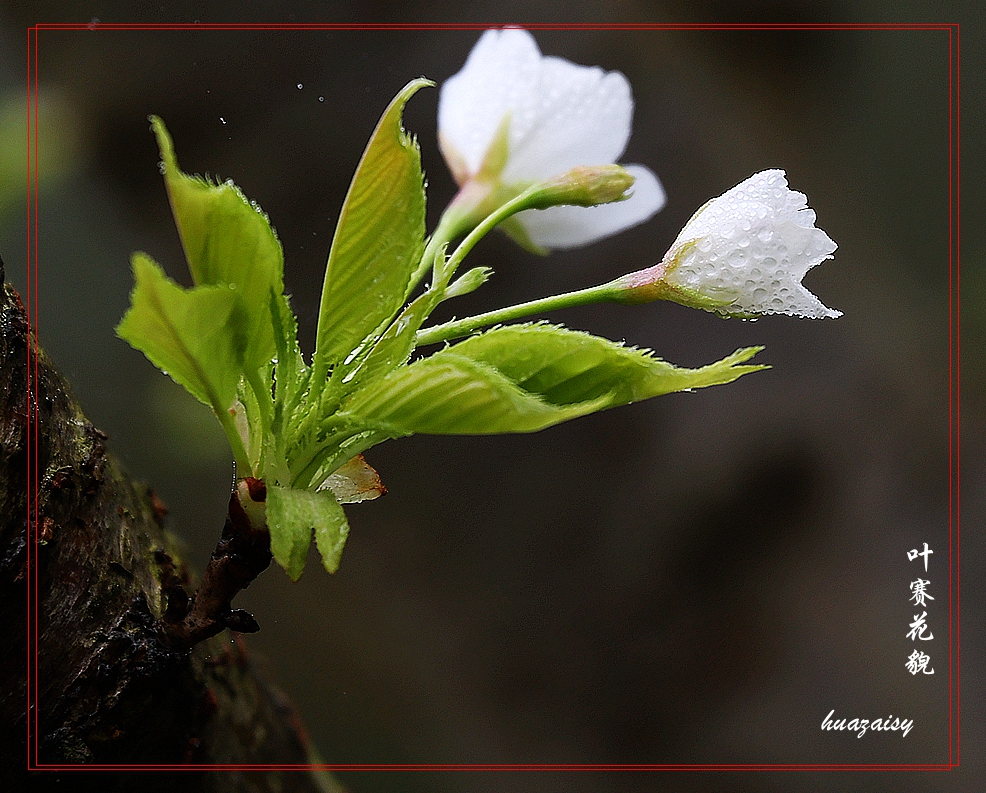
(566, 366)
(395, 346)
(456, 396)
(291, 371)
(292, 515)
(523, 378)
(195, 335)
(378, 242)
(228, 241)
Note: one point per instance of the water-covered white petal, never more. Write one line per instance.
(499, 77)
(579, 115)
(750, 248)
(560, 114)
(571, 226)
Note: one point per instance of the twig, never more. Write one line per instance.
(241, 555)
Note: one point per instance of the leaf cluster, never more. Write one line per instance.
(231, 341)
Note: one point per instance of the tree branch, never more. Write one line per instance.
(111, 687)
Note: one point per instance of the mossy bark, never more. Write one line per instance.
(75, 530)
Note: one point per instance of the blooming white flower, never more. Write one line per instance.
(746, 251)
(512, 117)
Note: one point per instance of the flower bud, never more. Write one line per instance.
(469, 282)
(584, 186)
(742, 254)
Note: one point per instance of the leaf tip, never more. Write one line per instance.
(166, 148)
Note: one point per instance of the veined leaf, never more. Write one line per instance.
(396, 344)
(292, 515)
(378, 241)
(456, 396)
(566, 366)
(522, 378)
(291, 370)
(228, 241)
(195, 335)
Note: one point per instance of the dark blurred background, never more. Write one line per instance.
(696, 579)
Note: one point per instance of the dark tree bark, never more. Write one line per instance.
(110, 689)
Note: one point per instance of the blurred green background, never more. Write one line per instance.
(696, 579)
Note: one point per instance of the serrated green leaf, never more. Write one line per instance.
(228, 241)
(195, 335)
(292, 515)
(452, 396)
(566, 366)
(291, 371)
(396, 344)
(378, 241)
(523, 378)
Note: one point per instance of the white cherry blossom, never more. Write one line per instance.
(513, 117)
(748, 250)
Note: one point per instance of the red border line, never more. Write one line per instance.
(31, 381)
(29, 482)
(951, 470)
(954, 401)
(563, 767)
(574, 26)
(956, 169)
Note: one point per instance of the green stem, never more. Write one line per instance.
(463, 327)
(511, 207)
(335, 453)
(243, 465)
(266, 403)
(428, 258)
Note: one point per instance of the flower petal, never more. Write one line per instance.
(561, 115)
(579, 115)
(501, 73)
(571, 226)
(753, 245)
